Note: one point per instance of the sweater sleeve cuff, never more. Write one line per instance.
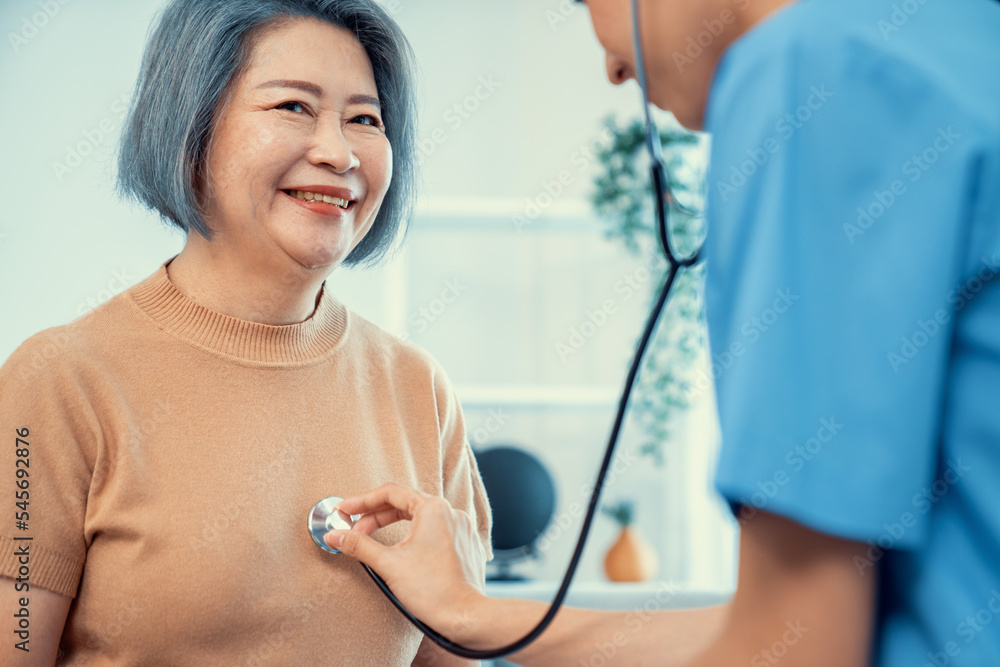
(45, 568)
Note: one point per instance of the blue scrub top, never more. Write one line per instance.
(853, 300)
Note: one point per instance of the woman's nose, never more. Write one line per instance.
(332, 148)
(619, 71)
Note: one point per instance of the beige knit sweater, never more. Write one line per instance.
(173, 455)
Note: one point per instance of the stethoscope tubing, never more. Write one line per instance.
(664, 199)
(518, 645)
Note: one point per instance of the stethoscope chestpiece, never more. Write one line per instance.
(324, 517)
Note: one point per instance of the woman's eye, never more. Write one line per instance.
(294, 107)
(368, 120)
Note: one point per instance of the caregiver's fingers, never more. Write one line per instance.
(372, 521)
(392, 495)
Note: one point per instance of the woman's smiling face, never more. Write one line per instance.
(303, 118)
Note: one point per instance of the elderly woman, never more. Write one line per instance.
(174, 443)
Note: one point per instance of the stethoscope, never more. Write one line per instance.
(324, 516)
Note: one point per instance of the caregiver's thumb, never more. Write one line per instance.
(355, 544)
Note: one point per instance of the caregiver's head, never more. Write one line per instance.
(279, 131)
(682, 42)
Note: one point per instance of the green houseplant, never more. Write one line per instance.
(622, 197)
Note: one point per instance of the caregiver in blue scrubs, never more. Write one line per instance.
(853, 303)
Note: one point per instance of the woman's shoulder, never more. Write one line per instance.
(397, 352)
(66, 348)
(43, 363)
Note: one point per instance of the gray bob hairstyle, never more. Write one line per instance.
(198, 50)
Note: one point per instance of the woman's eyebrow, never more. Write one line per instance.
(318, 92)
(289, 83)
(365, 99)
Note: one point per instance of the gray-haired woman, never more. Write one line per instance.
(174, 446)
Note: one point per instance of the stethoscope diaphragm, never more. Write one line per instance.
(324, 517)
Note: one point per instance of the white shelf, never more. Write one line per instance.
(609, 595)
(538, 396)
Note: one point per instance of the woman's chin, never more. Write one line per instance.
(318, 256)
(312, 248)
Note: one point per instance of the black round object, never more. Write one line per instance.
(522, 495)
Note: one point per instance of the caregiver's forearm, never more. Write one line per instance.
(576, 636)
(431, 655)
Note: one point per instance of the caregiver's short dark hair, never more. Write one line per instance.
(198, 49)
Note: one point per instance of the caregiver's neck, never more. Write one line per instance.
(684, 66)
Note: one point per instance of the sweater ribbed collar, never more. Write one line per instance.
(241, 340)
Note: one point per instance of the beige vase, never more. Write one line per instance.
(631, 558)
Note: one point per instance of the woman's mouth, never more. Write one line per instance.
(315, 197)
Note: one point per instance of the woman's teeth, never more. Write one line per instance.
(312, 196)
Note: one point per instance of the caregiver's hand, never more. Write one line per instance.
(437, 571)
